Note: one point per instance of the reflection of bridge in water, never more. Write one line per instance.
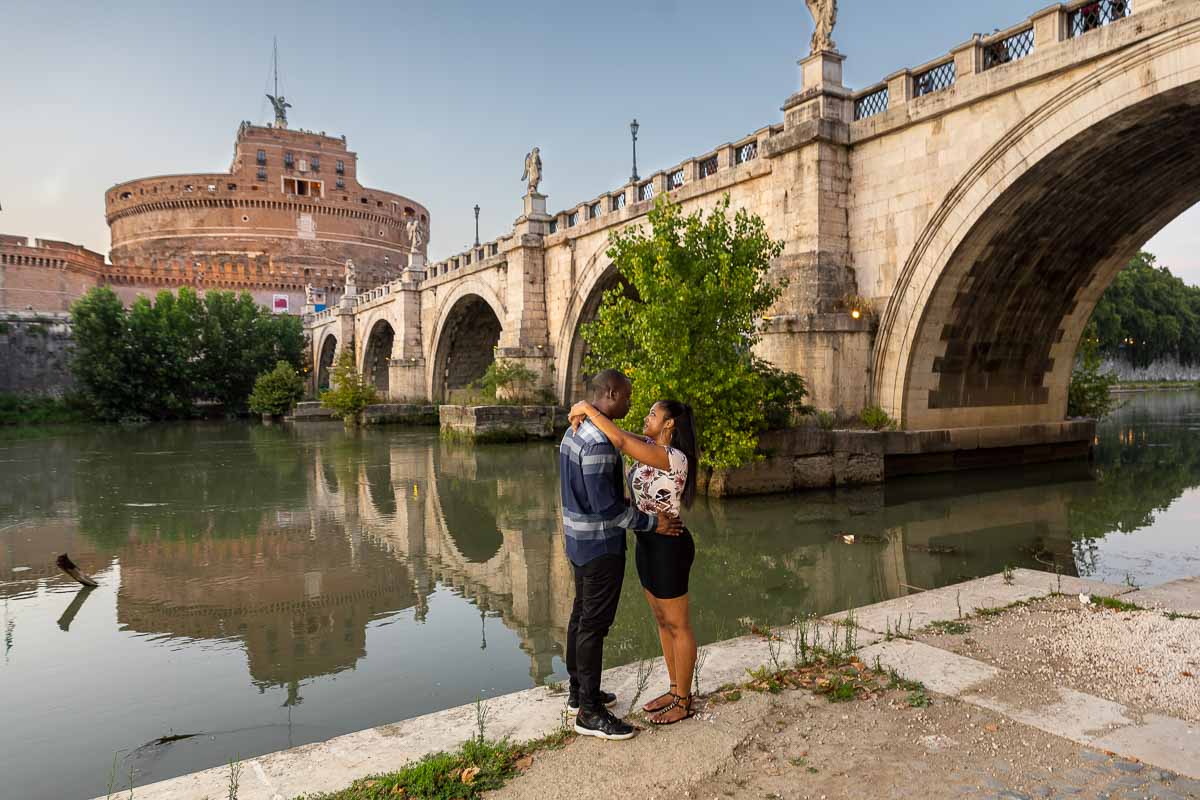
(485, 522)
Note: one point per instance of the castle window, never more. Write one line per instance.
(341, 184)
(189, 188)
(232, 187)
(315, 163)
(289, 160)
(262, 156)
(126, 195)
(262, 173)
(341, 167)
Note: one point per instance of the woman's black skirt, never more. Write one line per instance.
(664, 562)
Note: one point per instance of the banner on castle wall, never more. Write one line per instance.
(279, 304)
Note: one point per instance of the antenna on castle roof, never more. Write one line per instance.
(277, 100)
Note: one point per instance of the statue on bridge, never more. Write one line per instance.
(281, 106)
(533, 170)
(351, 287)
(415, 229)
(824, 14)
(310, 295)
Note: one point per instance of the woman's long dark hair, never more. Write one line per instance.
(683, 438)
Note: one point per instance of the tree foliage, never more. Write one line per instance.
(1147, 315)
(350, 393)
(275, 392)
(158, 359)
(1088, 394)
(702, 289)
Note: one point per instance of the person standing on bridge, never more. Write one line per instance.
(595, 517)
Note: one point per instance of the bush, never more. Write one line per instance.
(1088, 394)
(826, 421)
(877, 419)
(275, 392)
(684, 323)
(157, 360)
(783, 396)
(20, 409)
(350, 393)
(506, 380)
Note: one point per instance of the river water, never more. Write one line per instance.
(268, 587)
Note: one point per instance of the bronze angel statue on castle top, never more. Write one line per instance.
(824, 14)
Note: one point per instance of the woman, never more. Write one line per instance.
(663, 481)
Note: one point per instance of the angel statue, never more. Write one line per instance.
(533, 170)
(310, 295)
(350, 276)
(824, 14)
(416, 233)
(281, 107)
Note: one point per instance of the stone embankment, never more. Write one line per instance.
(986, 728)
(502, 423)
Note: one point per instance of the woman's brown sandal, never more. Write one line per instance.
(680, 701)
(659, 703)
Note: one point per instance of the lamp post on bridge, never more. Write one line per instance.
(477, 224)
(633, 129)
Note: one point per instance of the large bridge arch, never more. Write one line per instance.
(992, 301)
(469, 323)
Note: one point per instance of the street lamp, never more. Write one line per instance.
(633, 129)
(477, 225)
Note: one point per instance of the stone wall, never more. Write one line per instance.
(35, 353)
(501, 423)
(45, 275)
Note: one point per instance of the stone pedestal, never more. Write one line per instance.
(535, 205)
(406, 379)
(416, 262)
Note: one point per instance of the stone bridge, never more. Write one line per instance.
(973, 209)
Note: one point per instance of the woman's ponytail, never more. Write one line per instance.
(685, 438)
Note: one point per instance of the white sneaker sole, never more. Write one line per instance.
(614, 737)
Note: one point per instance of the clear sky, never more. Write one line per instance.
(441, 100)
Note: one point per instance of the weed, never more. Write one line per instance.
(775, 651)
(1115, 604)
(801, 626)
(851, 629)
(1058, 576)
(825, 420)
(918, 699)
(951, 627)
(958, 602)
(644, 671)
(701, 657)
(130, 782)
(235, 774)
(877, 419)
(841, 690)
(112, 778)
(1173, 615)
(991, 611)
(556, 687)
(482, 711)
(1130, 582)
(1008, 575)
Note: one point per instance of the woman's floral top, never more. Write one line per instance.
(656, 490)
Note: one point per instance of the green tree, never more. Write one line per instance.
(702, 288)
(275, 392)
(99, 362)
(350, 393)
(1148, 314)
(1088, 394)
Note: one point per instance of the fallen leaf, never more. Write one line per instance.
(370, 784)
(523, 763)
(991, 728)
(1187, 674)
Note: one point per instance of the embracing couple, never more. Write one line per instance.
(596, 515)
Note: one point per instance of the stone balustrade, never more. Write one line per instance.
(487, 253)
(983, 53)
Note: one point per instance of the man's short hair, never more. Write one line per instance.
(609, 381)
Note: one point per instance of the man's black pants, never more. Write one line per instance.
(597, 592)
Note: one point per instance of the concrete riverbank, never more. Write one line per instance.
(1105, 737)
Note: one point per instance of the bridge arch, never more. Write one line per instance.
(377, 353)
(598, 276)
(469, 323)
(326, 355)
(992, 301)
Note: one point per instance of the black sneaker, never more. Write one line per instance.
(603, 725)
(605, 698)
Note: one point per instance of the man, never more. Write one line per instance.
(595, 517)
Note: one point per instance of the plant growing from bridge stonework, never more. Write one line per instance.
(350, 393)
(702, 289)
(275, 392)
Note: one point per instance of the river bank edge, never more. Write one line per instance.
(537, 712)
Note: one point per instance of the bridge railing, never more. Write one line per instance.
(705, 167)
(983, 53)
(486, 252)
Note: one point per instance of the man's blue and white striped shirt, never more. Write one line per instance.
(595, 516)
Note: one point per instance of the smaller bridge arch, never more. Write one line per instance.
(377, 355)
(470, 322)
(325, 356)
